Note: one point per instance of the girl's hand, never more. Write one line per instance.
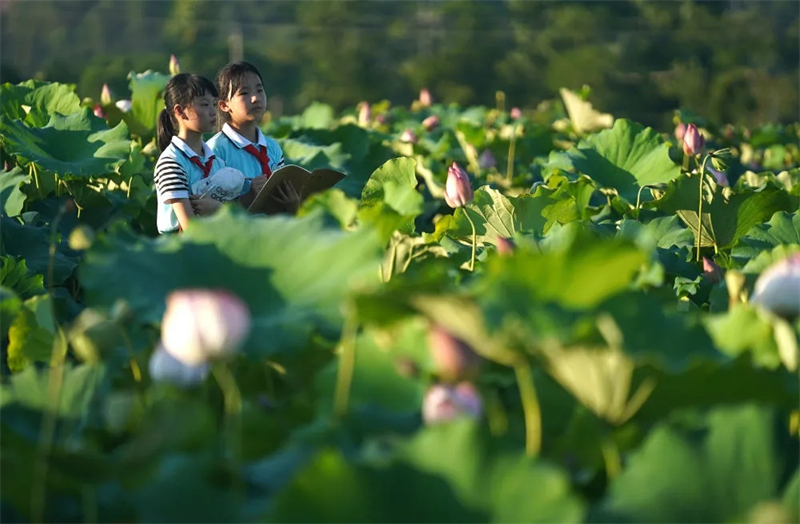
(257, 184)
(204, 206)
(286, 195)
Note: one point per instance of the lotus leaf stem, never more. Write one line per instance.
(347, 361)
(530, 408)
(474, 241)
(700, 207)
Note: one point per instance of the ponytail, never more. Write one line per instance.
(181, 90)
(165, 130)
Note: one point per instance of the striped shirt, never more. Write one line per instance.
(229, 146)
(175, 173)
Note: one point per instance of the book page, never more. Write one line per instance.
(264, 201)
(321, 179)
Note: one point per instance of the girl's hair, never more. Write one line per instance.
(181, 90)
(229, 80)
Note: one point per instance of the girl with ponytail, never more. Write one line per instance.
(189, 111)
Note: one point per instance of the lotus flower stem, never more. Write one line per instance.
(474, 241)
(530, 407)
(35, 174)
(233, 409)
(611, 458)
(135, 370)
(512, 145)
(700, 206)
(347, 361)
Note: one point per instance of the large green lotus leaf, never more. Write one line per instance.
(317, 116)
(662, 232)
(583, 116)
(329, 489)
(783, 228)
(743, 329)
(147, 98)
(507, 486)
(582, 275)
(43, 99)
(31, 335)
(79, 144)
(293, 273)
(673, 478)
(14, 275)
(10, 305)
(390, 199)
(11, 196)
(626, 157)
(496, 215)
(769, 257)
(312, 155)
(727, 217)
(33, 244)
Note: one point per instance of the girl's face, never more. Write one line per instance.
(200, 116)
(248, 103)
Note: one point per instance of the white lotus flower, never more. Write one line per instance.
(166, 368)
(124, 105)
(201, 325)
(778, 287)
(444, 403)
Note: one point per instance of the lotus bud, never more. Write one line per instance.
(425, 98)
(693, 141)
(105, 95)
(711, 270)
(174, 65)
(445, 403)
(201, 325)
(124, 105)
(430, 123)
(719, 176)
(505, 246)
(680, 131)
(98, 111)
(364, 114)
(408, 136)
(487, 160)
(457, 190)
(778, 287)
(452, 358)
(166, 368)
(516, 113)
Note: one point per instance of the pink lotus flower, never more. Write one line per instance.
(425, 97)
(105, 95)
(452, 358)
(364, 114)
(719, 176)
(505, 246)
(457, 190)
(778, 287)
(201, 325)
(515, 113)
(408, 136)
(430, 123)
(381, 119)
(680, 131)
(98, 111)
(487, 160)
(693, 141)
(124, 105)
(444, 403)
(711, 270)
(174, 65)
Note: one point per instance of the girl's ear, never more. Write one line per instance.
(223, 105)
(179, 112)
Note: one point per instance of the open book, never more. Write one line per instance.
(305, 182)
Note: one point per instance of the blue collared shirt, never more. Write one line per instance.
(229, 146)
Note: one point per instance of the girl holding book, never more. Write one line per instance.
(239, 142)
(189, 111)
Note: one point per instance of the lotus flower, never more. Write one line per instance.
(201, 325)
(719, 176)
(98, 111)
(778, 287)
(425, 98)
(711, 270)
(487, 160)
(680, 131)
(515, 113)
(381, 119)
(452, 358)
(408, 136)
(457, 190)
(505, 246)
(174, 65)
(364, 114)
(693, 141)
(166, 368)
(124, 105)
(430, 123)
(105, 95)
(444, 403)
